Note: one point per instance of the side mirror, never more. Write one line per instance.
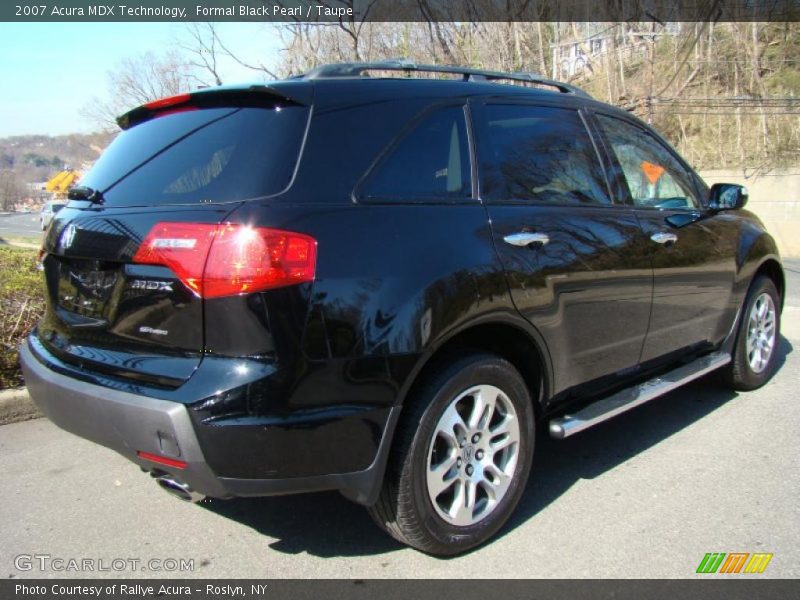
(727, 196)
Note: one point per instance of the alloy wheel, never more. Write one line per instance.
(472, 455)
(761, 333)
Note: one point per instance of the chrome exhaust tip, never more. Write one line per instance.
(179, 489)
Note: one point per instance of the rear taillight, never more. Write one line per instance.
(230, 259)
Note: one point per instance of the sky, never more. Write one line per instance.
(49, 71)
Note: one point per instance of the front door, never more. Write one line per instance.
(693, 251)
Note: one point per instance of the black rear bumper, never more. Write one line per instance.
(132, 423)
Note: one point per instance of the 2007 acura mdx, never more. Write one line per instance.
(381, 285)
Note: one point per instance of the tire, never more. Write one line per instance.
(440, 525)
(744, 372)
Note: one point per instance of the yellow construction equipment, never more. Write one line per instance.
(59, 184)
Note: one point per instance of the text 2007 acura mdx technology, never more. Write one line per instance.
(381, 285)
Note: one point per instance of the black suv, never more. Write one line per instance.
(380, 285)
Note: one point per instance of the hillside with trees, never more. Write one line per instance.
(726, 94)
(37, 157)
(27, 159)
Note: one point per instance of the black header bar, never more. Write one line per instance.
(707, 588)
(400, 10)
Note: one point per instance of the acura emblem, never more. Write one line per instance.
(67, 237)
(94, 282)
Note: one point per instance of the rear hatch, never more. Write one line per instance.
(119, 302)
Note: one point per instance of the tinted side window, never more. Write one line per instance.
(541, 154)
(431, 162)
(655, 178)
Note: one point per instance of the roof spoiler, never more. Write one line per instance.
(256, 95)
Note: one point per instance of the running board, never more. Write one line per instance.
(611, 406)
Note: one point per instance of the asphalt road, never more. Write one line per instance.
(19, 225)
(644, 495)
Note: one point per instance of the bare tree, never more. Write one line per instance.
(10, 190)
(350, 39)
(674, 75)
(138, 80)
(206, 47)
(203, 49)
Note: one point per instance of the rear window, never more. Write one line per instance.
(209, 155)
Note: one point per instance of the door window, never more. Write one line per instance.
(654, 176)
(542, 155)
(431, 162)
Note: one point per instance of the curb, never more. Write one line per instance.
(16, 405)
(18, 244)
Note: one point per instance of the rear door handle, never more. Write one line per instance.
(526, 238)
(662, 237)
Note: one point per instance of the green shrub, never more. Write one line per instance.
(21, 306)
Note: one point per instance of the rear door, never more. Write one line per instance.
(573, 258)
(693, 251)
(165, 181)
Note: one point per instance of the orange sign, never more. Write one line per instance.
(651, 171)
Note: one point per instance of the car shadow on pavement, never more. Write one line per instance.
(559, 464)
(328, 525)
(323, 524)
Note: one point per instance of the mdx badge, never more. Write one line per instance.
(150, 284)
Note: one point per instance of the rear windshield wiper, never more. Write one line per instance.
(82, 192)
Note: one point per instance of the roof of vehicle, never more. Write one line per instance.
(357, 90)
(350, 83)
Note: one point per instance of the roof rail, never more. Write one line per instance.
(357, 70)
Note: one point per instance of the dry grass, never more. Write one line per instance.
(21, 306)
